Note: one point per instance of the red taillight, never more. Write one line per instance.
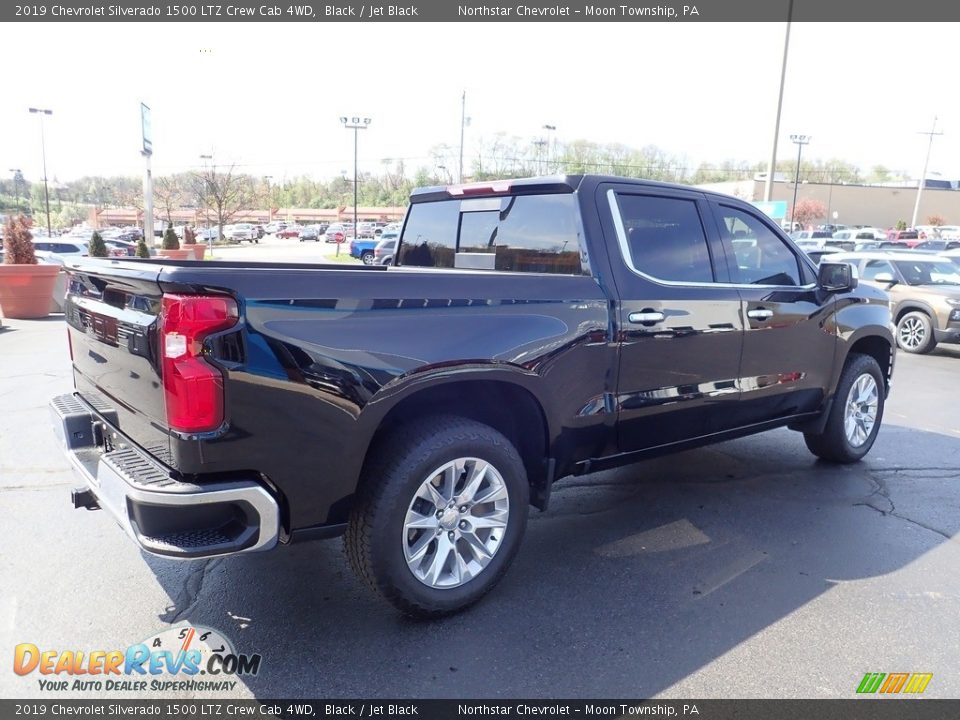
(193, 389)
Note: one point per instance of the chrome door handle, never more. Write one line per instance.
(646, 317)
(761, 314)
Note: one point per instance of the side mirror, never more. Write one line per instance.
(885, 278)
(836, 276)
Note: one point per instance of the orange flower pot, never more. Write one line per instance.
(25, 290)
(180, 254)
(198, 250)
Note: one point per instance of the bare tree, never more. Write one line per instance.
(168, 195)
(225, 192)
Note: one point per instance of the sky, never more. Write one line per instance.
(268, 97)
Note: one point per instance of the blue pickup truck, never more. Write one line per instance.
(363, 249)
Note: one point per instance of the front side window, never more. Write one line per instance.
(523, 233)
(877, 267)
(762, 258)
(664, 238)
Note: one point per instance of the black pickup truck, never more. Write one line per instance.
(528, 330)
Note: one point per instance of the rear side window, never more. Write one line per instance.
(664, 238)
(526, 233)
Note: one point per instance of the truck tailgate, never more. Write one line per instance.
(112, 325)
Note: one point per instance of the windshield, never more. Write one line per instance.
(929, 272)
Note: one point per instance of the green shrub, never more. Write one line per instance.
(142, 250)
(97, 247)
(170, 241)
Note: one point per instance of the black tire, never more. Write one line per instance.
(833, 444)
(396, 469)
(915, 333)
(366, 258)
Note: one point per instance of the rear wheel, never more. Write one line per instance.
(367, 258)
(915, 333)
(440, 514)
(855, 415)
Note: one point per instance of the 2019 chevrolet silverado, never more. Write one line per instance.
(528, 330)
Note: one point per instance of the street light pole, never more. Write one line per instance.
(43, 149)
(799, 141)
(772, 166)
(16, 186)
(550, 129)
(923, 175)
(203, 200)
(356, 124)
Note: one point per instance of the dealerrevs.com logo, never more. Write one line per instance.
(182, 658)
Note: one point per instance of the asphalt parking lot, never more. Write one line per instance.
(743, 570)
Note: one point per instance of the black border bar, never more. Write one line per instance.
(641, 11)
(892, 708)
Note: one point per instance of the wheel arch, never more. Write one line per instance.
(915, 305)
(505, 400)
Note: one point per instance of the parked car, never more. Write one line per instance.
(240, 232)
(275, 226)
(937, 246)
(533, 329)
(120, 248)
(819, 254)
(208, 234)
(902, 238)
(309, 233)
(924, 295)
(335, 233)
(386, 247)
(363, 250)
(60, 249)
(290, 231)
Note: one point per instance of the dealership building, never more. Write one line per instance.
(874, 205)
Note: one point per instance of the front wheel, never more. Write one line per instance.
(439, 516)
(855, 415)
(915, 333)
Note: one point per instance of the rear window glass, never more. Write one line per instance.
(528, 233)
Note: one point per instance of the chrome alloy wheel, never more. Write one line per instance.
(860, 413)
(911, 333)
(455, 523)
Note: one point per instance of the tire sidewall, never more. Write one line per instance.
(926, 345)
(404, 480)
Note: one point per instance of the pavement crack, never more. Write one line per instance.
(882, 491)
(189, 595)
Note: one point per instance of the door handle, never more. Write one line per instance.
(647, 316)
(760, 314)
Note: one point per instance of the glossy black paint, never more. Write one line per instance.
(323, 355)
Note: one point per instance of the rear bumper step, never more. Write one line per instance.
(163, 515)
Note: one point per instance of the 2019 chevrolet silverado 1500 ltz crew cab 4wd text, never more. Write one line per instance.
(527, 330)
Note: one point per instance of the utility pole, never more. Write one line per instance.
(772, 166)
(146, 128)
(43, 149)
(356, 124)
(923, 175)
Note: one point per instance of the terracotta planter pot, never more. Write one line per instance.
(180, 254)
(25, 290)
(198, 250)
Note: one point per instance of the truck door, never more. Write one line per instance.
(679, 325)
(789, 340)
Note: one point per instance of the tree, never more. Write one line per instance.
(901, 225)
(17, 242)
(170, 241)
(808, 210)
(142, 250)
(168, 194)
(224, 192)
(97, 247)
(936, 220)
(189, 236)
